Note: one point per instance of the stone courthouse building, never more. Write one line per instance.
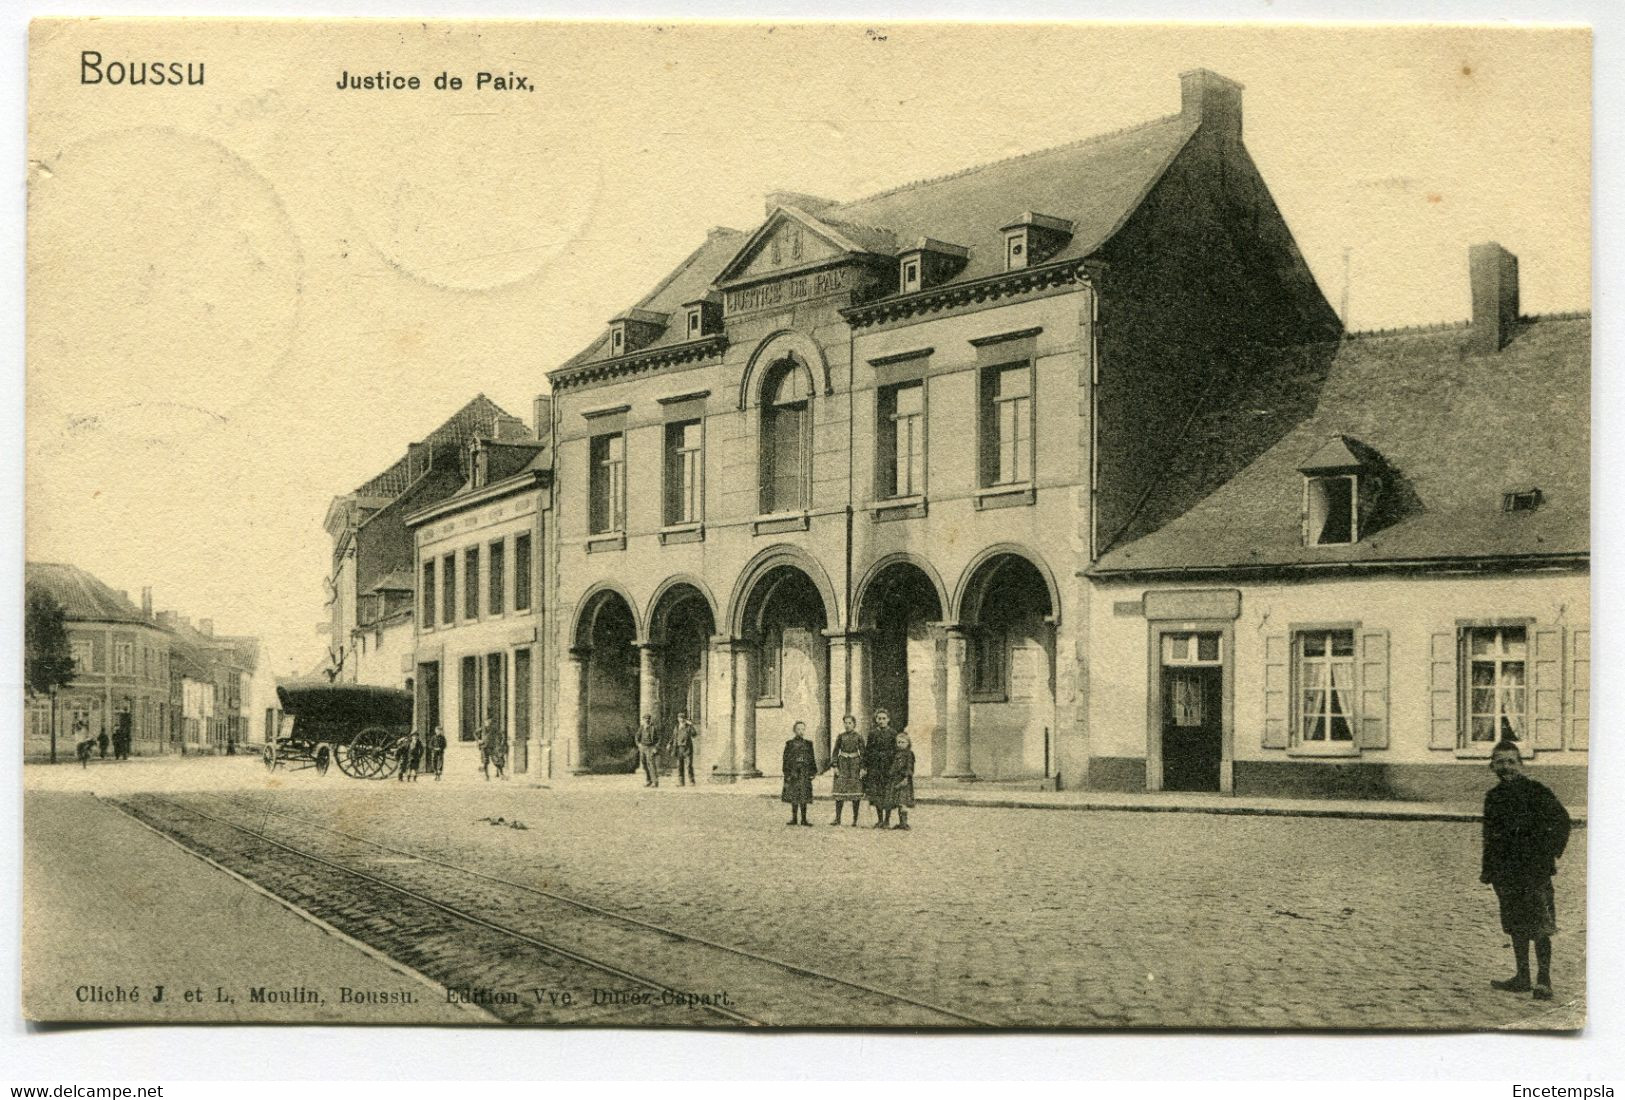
(866, 454)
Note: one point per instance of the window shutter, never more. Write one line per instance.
(1442, 691)
(1277, 690)
(1577, 715)
(1546, 712)
(1373, 650)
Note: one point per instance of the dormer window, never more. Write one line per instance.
(911, 275)
(929, 263)
(1331, 510)
(1340, 489)
(1521, 500)
(702, 317)
(1033, 238)
(635, 330)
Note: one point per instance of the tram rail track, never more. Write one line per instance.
(578, 935)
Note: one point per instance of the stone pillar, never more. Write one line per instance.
(574, 705)
(857, 649)
(957, 718)
(744, 739)
(648, 682)
(847, 684)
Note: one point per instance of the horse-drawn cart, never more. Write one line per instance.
(358, 726)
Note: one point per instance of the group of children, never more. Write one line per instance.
(413, 754)
(879, 769)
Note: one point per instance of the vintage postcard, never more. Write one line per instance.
(846, 526)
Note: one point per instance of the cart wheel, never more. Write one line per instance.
(323, 758)
(268, 754)
(370, 754)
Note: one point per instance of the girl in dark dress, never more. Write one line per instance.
(846, 758)
(800, 765)
(900, 789)
(877, 750)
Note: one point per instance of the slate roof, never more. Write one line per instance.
(83, 597)
(1456, 430)
(1095, 183)
(690, 281)
(480, 417)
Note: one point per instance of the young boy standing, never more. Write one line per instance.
(1525, 831)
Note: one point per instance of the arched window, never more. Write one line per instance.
(786, 437)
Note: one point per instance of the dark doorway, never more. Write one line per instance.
(612, 686)
(1192, 712)
(428, 694)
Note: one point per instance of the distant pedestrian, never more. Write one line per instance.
(846, 760)
(231, 745)
(800, 765)
(682, 748)
(101, 742)
(437, 753)
(84, 749)
(493, 750)
(648, 742)
(877, 754)
(1526, 830)
(900, 787)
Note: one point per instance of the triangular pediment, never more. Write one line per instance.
(788, 240)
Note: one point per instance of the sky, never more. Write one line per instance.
(249, 297)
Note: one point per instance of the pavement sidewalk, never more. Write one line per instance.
(999, 796)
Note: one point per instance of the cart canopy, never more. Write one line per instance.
(317, 702)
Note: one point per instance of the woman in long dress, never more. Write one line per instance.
(846, 758)
(900, 790)
(800, 764)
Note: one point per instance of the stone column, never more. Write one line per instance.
(648, 682)
(744, 740)
(574, 705)
(957, 720)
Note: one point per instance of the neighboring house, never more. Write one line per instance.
(480, 646)
(1394, 585)
(209, 686)
(121, 657)
(862, 455)
(372, 549)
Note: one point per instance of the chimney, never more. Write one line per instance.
(206, 626)
(1211, 100)
(544, 417)
(166, 619)
(1494, 273)
(146, 603)
(812, 204)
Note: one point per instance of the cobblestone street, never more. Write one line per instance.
(1025, 918)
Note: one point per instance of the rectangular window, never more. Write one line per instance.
(429, 595)
(607, 489)
(469, 712)
(770, 666)
(1330, 510)
(496, 698)
(1007, 425)
(901, 429)
(124, 658)
(499, 577)
(81, 655)
(521, 572)
(448, 578)
(1496, 692)
(989, 663)
(521, 693)
(1326, 692)
(471, 583)
(684, 458)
